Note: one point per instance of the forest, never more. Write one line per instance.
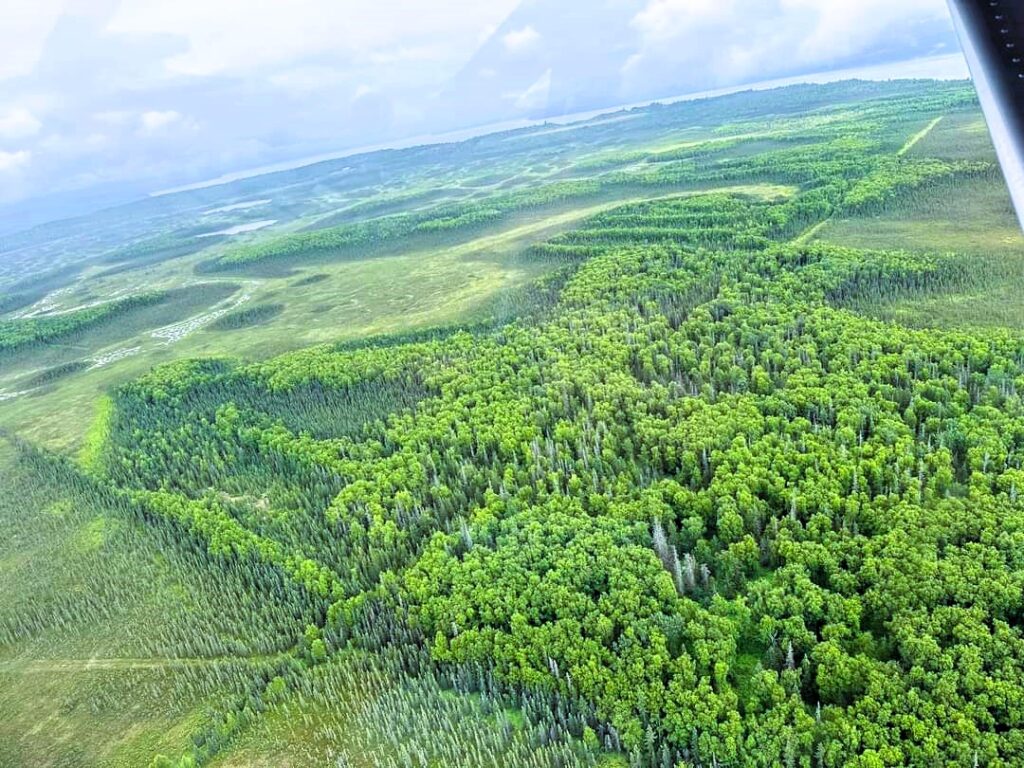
(691, 503)
(29, 331)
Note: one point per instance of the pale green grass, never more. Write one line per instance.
(974, 220)
(100, 625)
(1001, 306)
(960, 136)
(93, 718)
(919, 136)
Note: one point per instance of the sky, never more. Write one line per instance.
(104, 100)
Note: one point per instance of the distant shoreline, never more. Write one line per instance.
(942, 67)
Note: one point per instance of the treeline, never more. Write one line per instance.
(247, 317)
(884, 186)
(53, 513)
(27, 332)
(389, 229)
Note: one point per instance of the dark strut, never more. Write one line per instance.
(992, 32)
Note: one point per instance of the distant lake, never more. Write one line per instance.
(237, 207)
(239, 229)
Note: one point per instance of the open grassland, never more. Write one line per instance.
(973, 220)
(958, 136)
(113, 643)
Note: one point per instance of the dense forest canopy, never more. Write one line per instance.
(691, 508)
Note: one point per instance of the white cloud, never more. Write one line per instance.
(23, 32)
(158, 121)
(362, 90)
(536, 96)
(670, 19)
(240, 36)
(729, 41)
(18, 124)
(408, 53)
(155, 120)
(486, 33)
(842, 23)
(308, 78)
(520, 40)
(114, 117)
(14, 161)
(844, 27)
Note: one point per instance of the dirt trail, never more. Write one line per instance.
(913, 140)
(814, 229)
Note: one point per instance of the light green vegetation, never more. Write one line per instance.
(114, 642)
(356, 711)
(959, 136)
(119, 642)
(24, 334)
(974, 218)
(917, 137)
(600, 458)
(247, 317)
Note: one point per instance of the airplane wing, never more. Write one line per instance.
(992, 33)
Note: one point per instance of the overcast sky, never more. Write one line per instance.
(138, 95)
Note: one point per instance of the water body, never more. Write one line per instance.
(239, 229)
(237, 207)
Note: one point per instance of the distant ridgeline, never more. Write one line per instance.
(826, 151)
(699, 506)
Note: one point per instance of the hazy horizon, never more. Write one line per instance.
(106, 101)
(944, 67)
